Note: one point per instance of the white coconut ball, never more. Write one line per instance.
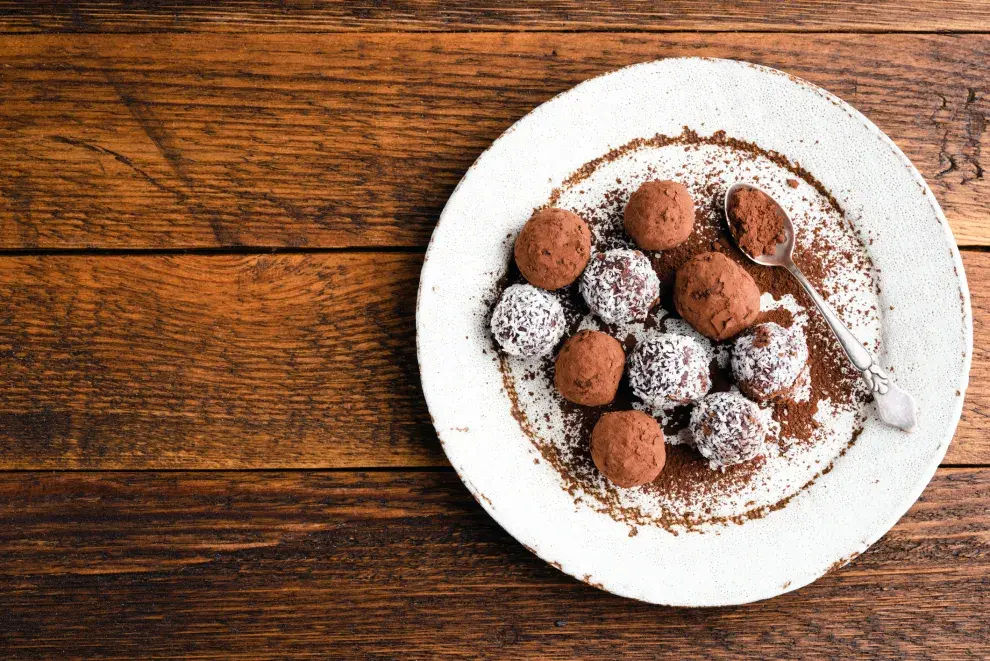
(527, 321)
(620, 285)
(727, 429)
(668, 370)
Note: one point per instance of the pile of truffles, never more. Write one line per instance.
(711, 291)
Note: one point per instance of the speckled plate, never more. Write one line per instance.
(925, 330)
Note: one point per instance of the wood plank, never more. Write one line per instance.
(357, 140)
(972, 444)
(211, 362)
(265, 361)
(315, 565)
(430, 15)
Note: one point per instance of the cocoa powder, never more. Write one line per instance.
(756, 222)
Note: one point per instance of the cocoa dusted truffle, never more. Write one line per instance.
(553, 248)
(668, 370)
(659, 215)
(768, 359)
(620, 286)
(589, 367)
(716, 296)
(628, 448)
(528, 321)
(756, 222)
(727, 429)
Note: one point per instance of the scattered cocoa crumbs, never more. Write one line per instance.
(686, 474)
(780, 316)
(793, 183)
(797, 419)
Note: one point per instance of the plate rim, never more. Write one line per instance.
(967, 322)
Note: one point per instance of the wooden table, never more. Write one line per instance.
(212, 435)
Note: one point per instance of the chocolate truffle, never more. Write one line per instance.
(553, 248)
(589, 367)
(768, 359)
(727, 429)
(667, 370)
(628, 447)
(659, 215)
(756, 222)
(620, 286)
(527, 321)
(716, 296)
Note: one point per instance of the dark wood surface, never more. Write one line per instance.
(209, 251)
(212, 361)
(492, 15)
(407, 566)
(176, 141)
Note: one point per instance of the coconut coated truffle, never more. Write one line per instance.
(553, 248)
(768, 359)
(628, 448)
(659, 215)
(620, 286)
(667, 370)
(527, 321)
(727, 429)
(716, 296)
(589, 367)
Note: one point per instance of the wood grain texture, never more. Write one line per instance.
(211, 361)
(388, 566)
(445, 15)
(358, 140)
(270, 361)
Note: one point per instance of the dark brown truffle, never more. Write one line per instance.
(628, 448)
(589, 367)
(716, 296)
(756, 222)
(660, 215)
(553, 248)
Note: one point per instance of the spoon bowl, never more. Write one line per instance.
(784, 253)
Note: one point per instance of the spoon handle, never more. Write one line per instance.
(894, 405)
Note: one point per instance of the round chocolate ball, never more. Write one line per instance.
(716, 296)
(553, 248)
(620, 286)
(768, 359)
(659, 215)
(668, 370)
(727, 429)
(589, 367)
(527, 321)
(628, 448)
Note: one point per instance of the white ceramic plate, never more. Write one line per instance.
(925, 329)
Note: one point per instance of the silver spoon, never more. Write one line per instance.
(895, 406)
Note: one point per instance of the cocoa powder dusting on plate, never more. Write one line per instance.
(686, 478)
